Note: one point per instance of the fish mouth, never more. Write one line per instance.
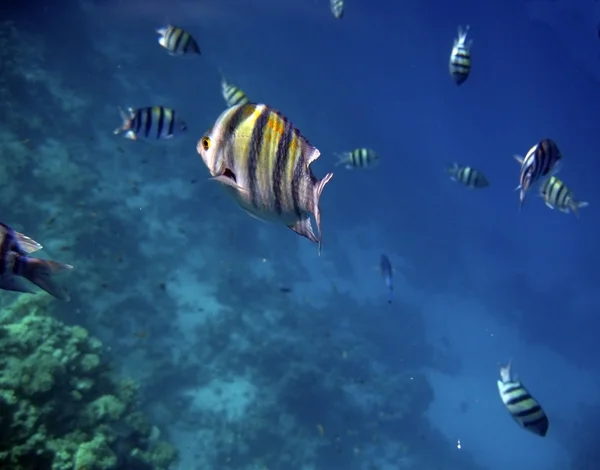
(227, 173)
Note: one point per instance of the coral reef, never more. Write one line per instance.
(60, 407)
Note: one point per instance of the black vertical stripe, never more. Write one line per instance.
(296, 181)
(137, 121)
(178, 40)
(278, 178)
(147, 121)
(257, 140)
(160, 121)
(561, 195)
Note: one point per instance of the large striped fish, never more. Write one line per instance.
(155, 122)
(264, 162)
(177, 41)
(460, 57)
(16, 265)
(520, 404)
(541, 159)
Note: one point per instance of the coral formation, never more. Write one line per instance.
(60, 407)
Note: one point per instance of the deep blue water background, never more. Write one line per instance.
(478, 282)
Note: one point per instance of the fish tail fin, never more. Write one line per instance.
(452, 169)
(317, 212)
(127, 117)
(41, 272)
(342, 157)
(576, 205)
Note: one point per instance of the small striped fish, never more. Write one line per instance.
(156, 122)
(521, 405)
(16, 265)
(558, 196)
(541, 159)
(177, 41)
(232, 94)
(337, 8)
(264, 163)
(460, 57)
(358, 158)
(468, 176)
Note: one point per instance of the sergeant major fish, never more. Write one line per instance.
(541, 159)
(521, 405)
(468, 176)
(156, 122)
(16, 265)
(231, 93)
(358, 158)
(264, 162)
(177, 41)
(460, 57)
(557, 195)
(385, 266)
(337, 8)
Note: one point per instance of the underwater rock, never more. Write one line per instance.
(60, 407)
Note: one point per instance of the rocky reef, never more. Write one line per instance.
(61, 407)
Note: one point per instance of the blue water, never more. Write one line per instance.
(185, 289)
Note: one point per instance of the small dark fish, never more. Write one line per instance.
(177, 41)
(153, 122)
(521, 405)
(15, 264)
(558, 196)
(468, 176)
(385, 266)
(285, 290)
(541, 159)
(460, 57)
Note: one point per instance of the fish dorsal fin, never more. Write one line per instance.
(314, 154)
(27, 244)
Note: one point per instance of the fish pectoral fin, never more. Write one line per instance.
(549, 205)
(304, 227)
(518, 158)
(27, 244)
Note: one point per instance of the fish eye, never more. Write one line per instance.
(205, 142)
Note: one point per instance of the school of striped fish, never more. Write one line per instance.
(264, 163)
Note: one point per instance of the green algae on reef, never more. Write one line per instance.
(60, 409)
